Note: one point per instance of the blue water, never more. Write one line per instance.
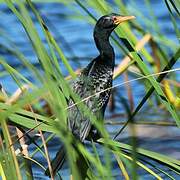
(74, 36)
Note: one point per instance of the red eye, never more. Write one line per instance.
(114, 18)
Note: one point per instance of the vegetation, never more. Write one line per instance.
(40, 105)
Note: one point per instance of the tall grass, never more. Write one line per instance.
(41, 106)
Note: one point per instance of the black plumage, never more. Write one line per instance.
(95, 78)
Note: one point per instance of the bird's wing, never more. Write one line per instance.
(93, 86)
(78, 122)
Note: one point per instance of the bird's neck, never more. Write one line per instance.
(105, 49)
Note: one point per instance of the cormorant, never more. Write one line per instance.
(96, 77)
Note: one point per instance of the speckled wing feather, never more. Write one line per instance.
(96, 77)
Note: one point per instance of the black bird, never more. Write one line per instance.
(96, 77)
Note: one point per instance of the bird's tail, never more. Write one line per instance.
(57, 162)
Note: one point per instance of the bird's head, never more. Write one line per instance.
(108, 23)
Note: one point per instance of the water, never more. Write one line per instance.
(75, 38)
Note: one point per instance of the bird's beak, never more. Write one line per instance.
(120, 19)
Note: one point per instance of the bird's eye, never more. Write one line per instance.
(114, 18)
(108, 23)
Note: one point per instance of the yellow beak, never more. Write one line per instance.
(120, 19)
